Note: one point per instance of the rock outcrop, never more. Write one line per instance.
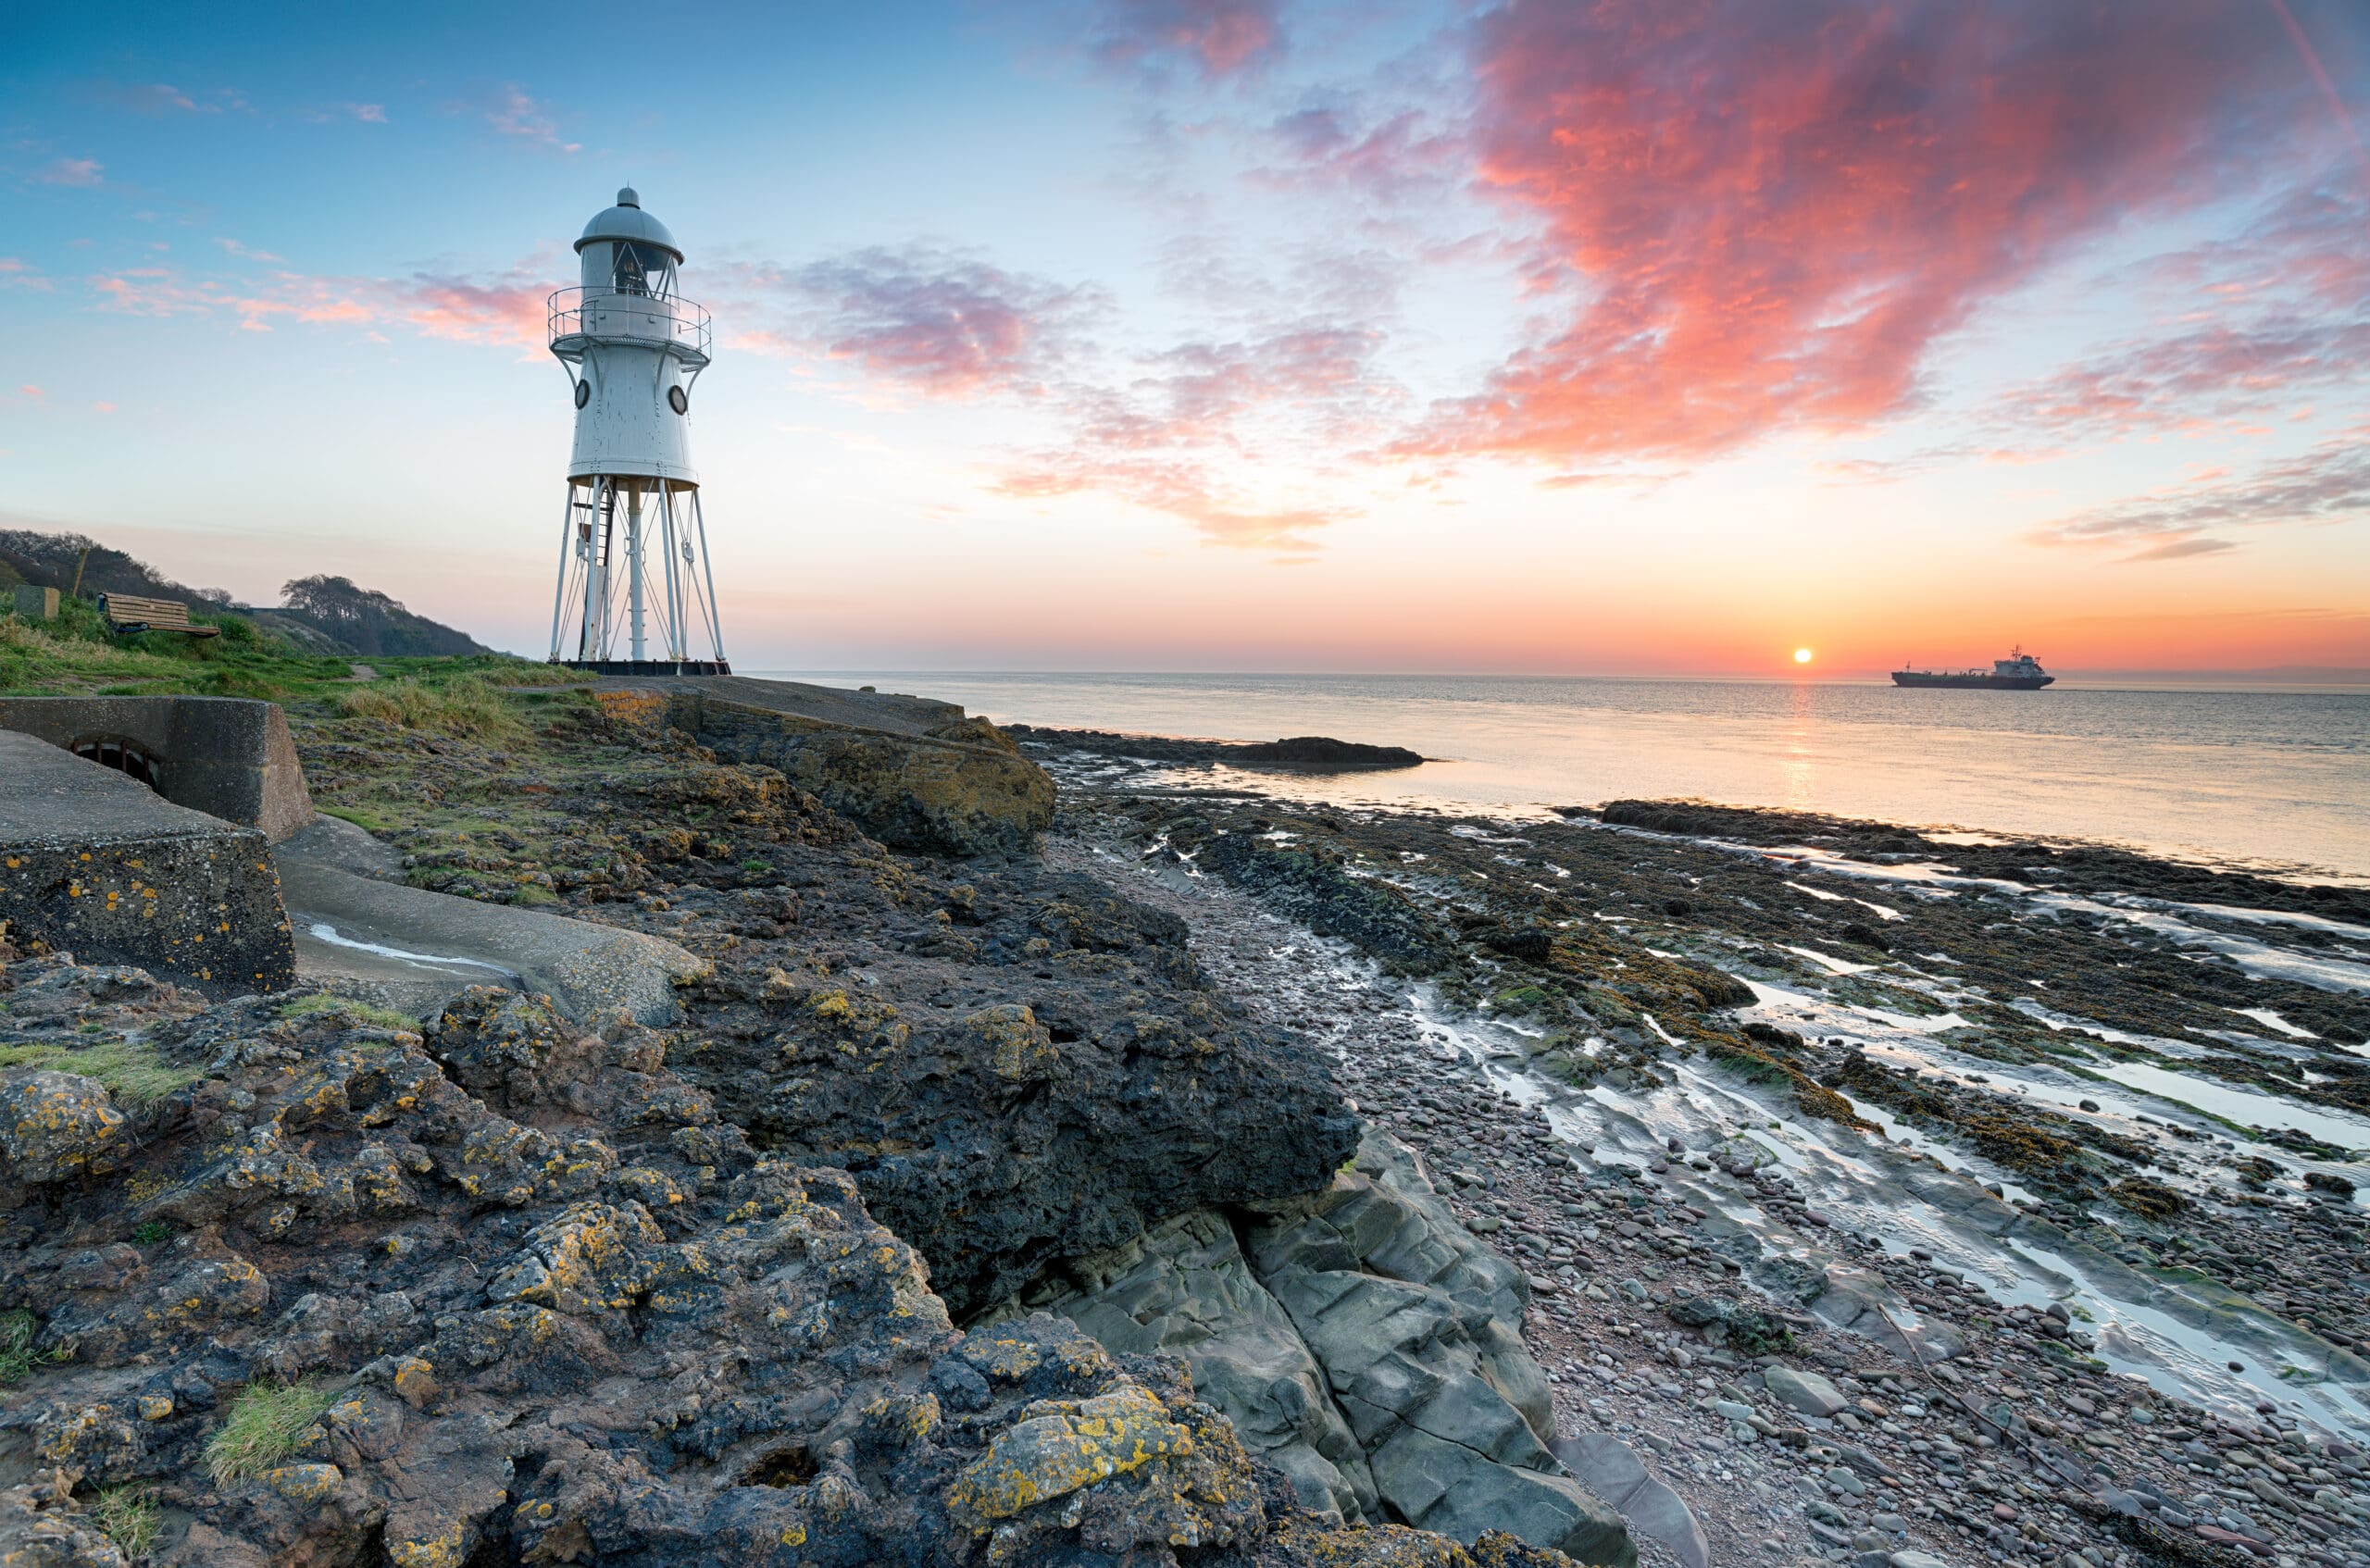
(1001, 1138)
(937, 782)
(1367, 1312)
(513, 1293)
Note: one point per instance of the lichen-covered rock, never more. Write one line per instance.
(1183, 1288)
(495, 1335)
(55, 1125)
(40, 1526)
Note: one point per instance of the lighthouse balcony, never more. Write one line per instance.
(582, 317)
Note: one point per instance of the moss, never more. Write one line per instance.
(361, 820)
(148, 1233)
(128, 1515)
(131, 1071)
(266, 1424)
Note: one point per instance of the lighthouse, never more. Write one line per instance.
(636, 588)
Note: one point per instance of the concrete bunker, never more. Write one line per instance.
(95, 865)
(229, 757)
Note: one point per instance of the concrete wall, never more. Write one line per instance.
(95, 863)
(227, 756)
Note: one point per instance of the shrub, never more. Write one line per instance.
(263, 1427)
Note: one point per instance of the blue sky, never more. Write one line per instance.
(1239, 333)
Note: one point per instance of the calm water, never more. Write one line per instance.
(2275, 777)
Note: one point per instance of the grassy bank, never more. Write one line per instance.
(78, 654)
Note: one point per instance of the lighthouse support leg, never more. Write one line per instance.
(566, 554)
(674, 628)
(634, 566)
(597, 570)
(715, 628)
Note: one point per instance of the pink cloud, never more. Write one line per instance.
(506, 310)
(85, 173)
(2327, 483)
(1221, 38)
(1764, 213)
(515, 114)
(2209, 375)
(28, 390)
(941, 323)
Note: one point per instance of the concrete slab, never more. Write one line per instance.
(422, 947)
(97, 864)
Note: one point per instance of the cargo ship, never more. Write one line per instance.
(2018, 672)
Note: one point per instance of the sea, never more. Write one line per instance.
(2274, 780)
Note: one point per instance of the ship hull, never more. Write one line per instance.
(1972, 681)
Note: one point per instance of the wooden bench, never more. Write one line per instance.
(129, 611)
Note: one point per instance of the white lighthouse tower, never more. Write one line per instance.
(635, 582)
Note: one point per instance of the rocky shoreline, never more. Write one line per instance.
(1222, 1180)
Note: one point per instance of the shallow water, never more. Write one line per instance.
(2273, 778)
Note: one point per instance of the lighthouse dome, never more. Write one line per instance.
(627, 222)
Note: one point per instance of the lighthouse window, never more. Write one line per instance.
(583, 393)
(640, 269)
(678, 401)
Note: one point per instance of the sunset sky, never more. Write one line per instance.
(1607, 337)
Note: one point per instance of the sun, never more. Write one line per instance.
(1801, 656)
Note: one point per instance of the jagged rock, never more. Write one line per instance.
(1607, 1467)
(1412, 1320)
(55, 1125)
(1184, 1289)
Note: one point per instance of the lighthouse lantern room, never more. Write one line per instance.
(636, 588)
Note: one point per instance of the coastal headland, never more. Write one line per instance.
(1044, 1160)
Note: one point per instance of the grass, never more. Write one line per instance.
(367, 1013)
(147, 1233)
(18, 1356)
(128, 1515)
(263, 1427)
(468, 706)
(361, 820)
(78, 652)
(131, 1070)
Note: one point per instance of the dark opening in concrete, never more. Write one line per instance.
(124, 756)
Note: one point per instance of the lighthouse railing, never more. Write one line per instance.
(623, 315)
